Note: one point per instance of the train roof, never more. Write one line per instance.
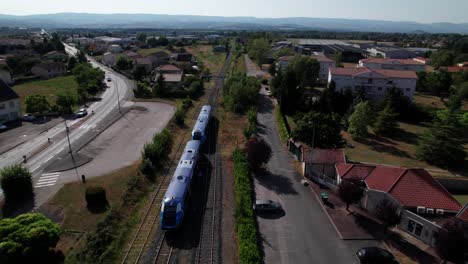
(181, 180)
(191, 150)
(203, 118)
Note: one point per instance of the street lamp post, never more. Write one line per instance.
(67, 130)
(118, 99)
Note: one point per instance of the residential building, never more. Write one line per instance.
(325, 65)
(108, 40)
(9, 103)
(319, 164)
(47, 70)
(392, 64)
(348, 53)
(424, 203)
(461, 67)
(5, 76)
(115, 48)
(144, 62)
(172, 75)
(55, 56)
(374, 82)
(423, 60)
(182, 59)
(109, 59)
(392, 52)
(158, 58)
(283, 62)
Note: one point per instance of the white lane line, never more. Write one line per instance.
(50, 174)
(47, 159)
(45, 181)
(60, 150)
(35, 168)
(41, 186)
(48, 178)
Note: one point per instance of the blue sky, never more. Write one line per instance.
(396, 10)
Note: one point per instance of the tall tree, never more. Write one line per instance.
(389, 213)
(359, 120)
(258, 152)
(386, 123)
(141, 37)
(65, 102)
(451, 243)
(439, 82)
(16, 182)
(306, 70)
(37, 103)
(258, 49)
(442, 142)
(351, 191)
(319, 130)
(28, 238)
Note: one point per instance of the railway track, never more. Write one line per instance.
(164, 251)
(208, 251)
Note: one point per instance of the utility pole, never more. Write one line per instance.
(118, 99)
(67, 130)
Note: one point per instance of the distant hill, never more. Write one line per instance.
(85, 20)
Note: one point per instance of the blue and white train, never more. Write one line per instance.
(175, 201)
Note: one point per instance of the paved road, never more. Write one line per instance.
(79, 128)
(304, 233)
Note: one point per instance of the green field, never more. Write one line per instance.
(50, 88)
(146, 52)
(211, 60)
(461, 198)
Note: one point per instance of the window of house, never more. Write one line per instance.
(389, 82)
(414, 228)
(2, 106)
(369, 80)
(12, 104)
(380, 88)
(408, 89)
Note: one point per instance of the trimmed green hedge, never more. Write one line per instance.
(283, 131)
(247, 232)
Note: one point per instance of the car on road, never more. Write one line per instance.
(29, 117)
(268, 93)
(109, 79)
(81, 113)
(267, 206)
(3, 127)
(371, 255)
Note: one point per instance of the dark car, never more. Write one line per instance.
(371, 255)
(29, 117)
(109, 79)
(81, 113)
(267, 206)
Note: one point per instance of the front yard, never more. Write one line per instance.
(49, 88)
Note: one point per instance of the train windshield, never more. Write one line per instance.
(197, 135)
(169, 215)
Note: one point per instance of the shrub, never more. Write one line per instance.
(264, 81)
(186, 104)
(16, 182)
(180, 116)
(258, 152)
(247, 232)
(95, 196)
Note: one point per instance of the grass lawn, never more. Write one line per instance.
(400, 150)
(213, 61)
(50, 88)
(146, 52)
(461, 198)
(231, 131)
(434, 101)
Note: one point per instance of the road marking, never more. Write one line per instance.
(47, 159)
(60, 150)
(47, 179)
(35, 168)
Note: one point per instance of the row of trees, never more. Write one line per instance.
(241, 93)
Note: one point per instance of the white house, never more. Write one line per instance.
(109, 59)
(392, 64)
(114, 48)
(5, 76)
(9, 103)
(375, 82)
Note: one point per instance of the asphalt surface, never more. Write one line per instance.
(304, 233)
(44, 153)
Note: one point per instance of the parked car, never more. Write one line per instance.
(109, 79)
(29, 117)
(268, 93)
(267, 206)
(81, 113)
(371, 255)
(3, 127)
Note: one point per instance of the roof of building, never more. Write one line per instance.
(381, 72)
(54, 52)
(410, 187)
(50, 65)
(171, 77)
(463, 213)
(392, 61)
(320, 42)
(286, 58)
(326, 156)
(454, 69)
(143, 61)
(422, 59)
(160, 54)
(322, 58)
(168, 67)
(6, 93)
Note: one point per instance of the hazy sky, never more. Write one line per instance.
(397, 10)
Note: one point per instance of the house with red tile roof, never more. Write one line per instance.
(319, 164)
(325, 64)
(374, 82)
(424, 202)
(392, 64)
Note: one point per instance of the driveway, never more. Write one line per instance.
(304, 234)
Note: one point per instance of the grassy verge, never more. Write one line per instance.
(283, 132)
(461, 198)
(247, 231)
(49, 88)
(213, 61)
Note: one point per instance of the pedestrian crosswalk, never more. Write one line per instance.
(47, 179)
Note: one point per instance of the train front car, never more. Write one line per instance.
(199, 131)
(175, 200)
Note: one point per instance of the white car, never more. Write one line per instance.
(3, 127)
(109, 79)
(269, 93)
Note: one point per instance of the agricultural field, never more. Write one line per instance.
(213, 61)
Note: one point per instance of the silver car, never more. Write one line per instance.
(267, 206)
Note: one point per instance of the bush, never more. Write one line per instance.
(186, 104)
(16, 182)
(180, 116)
(95, 196)
(241, 93)
(157, 151)
(264, 81)
(258, 152)
(247, 231)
